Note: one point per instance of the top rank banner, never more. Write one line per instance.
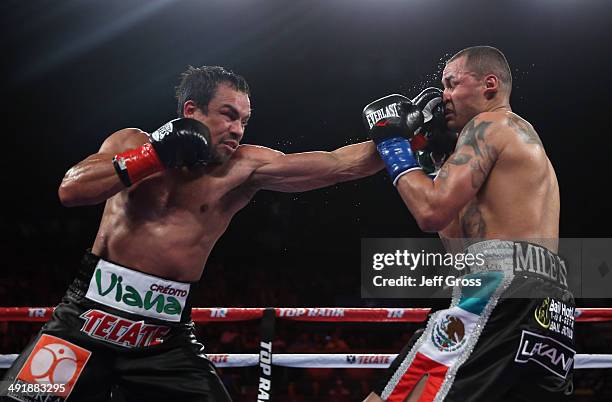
(427, 268)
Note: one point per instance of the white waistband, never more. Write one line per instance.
(137, 293)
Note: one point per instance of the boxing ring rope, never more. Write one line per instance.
(336, 360)
(314, 314)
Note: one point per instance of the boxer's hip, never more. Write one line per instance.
(518, 319)
(120, 306)
(520, 259)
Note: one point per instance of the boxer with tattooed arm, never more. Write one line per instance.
(497, 194)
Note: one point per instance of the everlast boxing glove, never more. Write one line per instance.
(391, 123)
(179, 143)
(438, 139)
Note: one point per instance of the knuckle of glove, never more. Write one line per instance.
(426, 96)
(429, 101)
(412, 116)
(193, 140)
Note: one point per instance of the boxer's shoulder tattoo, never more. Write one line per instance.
(474, 149)
(472, 134)
(524, 130)
(472, 222)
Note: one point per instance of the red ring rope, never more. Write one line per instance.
(312, 314)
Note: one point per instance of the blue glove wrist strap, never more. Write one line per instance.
(398, 157)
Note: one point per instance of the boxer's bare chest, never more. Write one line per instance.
(491, 211)
(517, 203)
(168, 224)
(193, 207)
(211, 193)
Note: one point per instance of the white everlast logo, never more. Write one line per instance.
(376, 115)
(137, 293)
(161, 132)
(537, 260)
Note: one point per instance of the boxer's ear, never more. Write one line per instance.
(189, 108)
(491, 86)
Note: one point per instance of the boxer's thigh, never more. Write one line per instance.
(181, 372)
(55, 359)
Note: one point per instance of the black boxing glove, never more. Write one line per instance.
(182, 143)
(179, 143)
(439, 138)
(431, 104)
(440, 141)
(391, 122)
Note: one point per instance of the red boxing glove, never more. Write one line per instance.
(135, 164)
(179, 143)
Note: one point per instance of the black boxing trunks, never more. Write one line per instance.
(119, 335)
(509, 339)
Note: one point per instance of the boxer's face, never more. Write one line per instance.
(228, 113)
(463, 94)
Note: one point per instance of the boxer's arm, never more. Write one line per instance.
(94, 179)
(434, 204)
(310, 170)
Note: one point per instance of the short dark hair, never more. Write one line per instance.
(199, 84)
(483, 60)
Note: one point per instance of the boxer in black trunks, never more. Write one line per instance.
(124, 324)
(497, 187)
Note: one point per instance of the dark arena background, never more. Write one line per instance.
(76, 71)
